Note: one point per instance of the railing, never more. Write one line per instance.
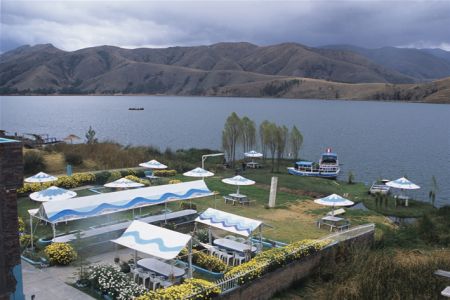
(229, 283)
(351, 233)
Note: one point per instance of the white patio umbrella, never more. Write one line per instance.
(41, 177)
(334, 200)
(153, 164)
(253, 154)
(198, 172)
(51, 194)
(403, 184)
(124, 183)
(238, 181)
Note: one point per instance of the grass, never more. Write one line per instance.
(415, 208)
(381, 274)
(293, 218)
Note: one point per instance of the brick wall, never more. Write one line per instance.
(11, 178)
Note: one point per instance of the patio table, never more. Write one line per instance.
(332, 221)
(253, 165)
(233, 245)
(160, 267)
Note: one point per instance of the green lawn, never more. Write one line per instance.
(293, 218)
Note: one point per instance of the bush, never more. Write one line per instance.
(165, 173)
(25, 240)
(110, 280)
(188, 205)
(73, 158)
(136, 179)
(174, 181)
(60, 253)
(201, 288)
(33, 162)
(21, 225)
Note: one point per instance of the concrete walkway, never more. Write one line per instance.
(49, 284)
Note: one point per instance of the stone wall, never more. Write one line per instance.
(11, 178)
(269, 284)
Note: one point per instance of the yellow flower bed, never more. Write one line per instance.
(206, 290)
(60, 253)
(274, 258)
(66, 182)
(173, 181)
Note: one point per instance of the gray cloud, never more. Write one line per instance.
(71, 25)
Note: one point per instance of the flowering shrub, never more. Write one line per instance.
(60, 253)
(21, 225)
(137, 179)
(114, 175)
(164, 173)
(24, 240)
(173, 181)
(110, 280)
(209, 262)
(274, 258)
(201, 288)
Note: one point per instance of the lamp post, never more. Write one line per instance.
(204, 157)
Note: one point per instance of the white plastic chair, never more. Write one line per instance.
(136, 272)
(145, 276)
(238, 257)
(226, 257)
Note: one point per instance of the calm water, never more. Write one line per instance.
(372, 139)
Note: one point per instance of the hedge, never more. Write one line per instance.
(80, 179)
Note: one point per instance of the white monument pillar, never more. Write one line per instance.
(273, 192)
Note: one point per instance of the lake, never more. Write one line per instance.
(372, 139)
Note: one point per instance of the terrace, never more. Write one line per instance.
(212, 256)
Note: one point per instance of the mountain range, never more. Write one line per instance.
(231, 69)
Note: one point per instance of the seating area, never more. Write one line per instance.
(151, 279)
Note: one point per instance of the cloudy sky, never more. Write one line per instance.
(72, 25)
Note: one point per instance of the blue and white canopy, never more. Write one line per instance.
(334, 200)
(107, 203)
(124, 183)
(41, 177)
(153, 240)
(53, 193)
(198, 172)
(403, 183)
(253, 154)
(153, 164)
(228, 222)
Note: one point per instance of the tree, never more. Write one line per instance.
(248, 134)
(230, 136)
(271, 141)
(263, 137)
(90, 136)
(433, 190)
(282, 133)
(296, 141)
(350, 178)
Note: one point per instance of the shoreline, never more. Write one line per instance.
(224, 96)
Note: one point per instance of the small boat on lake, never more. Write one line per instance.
(327, 167)
(136, 108)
